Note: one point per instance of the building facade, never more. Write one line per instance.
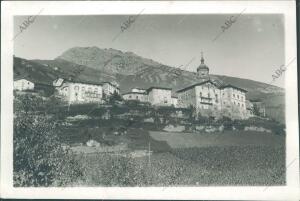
(78, 92)
(210, 100)
(233, 101)
(159, 96)
(204, 97)
(23, 84)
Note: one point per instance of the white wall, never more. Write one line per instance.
(23, 84)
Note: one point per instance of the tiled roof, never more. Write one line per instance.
(197, 84)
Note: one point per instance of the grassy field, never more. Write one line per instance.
(178, 159)
(185, 159)
(221, 166)
(227, 138)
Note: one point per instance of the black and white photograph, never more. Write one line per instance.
(150, 95)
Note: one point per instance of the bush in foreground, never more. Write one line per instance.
(39, 157)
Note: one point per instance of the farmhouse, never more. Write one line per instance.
(23, 84)
(78, 91)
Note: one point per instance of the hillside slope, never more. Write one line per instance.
(108, 60)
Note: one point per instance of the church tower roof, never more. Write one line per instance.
(202, 65)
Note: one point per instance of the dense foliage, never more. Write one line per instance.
(39, 158)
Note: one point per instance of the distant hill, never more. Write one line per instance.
(68, 69)
(131, 70)
(108, 60)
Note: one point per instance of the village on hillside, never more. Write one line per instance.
(105, 100)
(208, 97)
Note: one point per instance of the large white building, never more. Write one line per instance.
(209, 99)
(78, 92)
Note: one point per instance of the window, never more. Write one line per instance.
(165, 100)
(242, 105)
(217, 98)
(208, 95)
(233, 95)
(129, 96)
(238, 96)
(137, 97)
(200, 94)
(238, 104)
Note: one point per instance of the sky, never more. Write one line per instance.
(252, 47)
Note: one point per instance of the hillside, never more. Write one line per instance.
(68, 69)
(131, 70)
(108, 60)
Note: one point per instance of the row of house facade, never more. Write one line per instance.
(206, 96)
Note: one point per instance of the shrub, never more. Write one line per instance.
(39, 158)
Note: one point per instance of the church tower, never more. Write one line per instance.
(202, 70)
